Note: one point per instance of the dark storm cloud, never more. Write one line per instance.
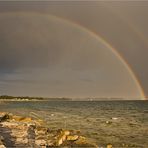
(19, 48)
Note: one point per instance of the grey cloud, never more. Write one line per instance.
(67, 57)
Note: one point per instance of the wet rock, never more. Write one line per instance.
(26, 132)
(39, 122)
(60, 139)
(26, 119)
(83, 142)
(108, 122)
(109, 146)
(66, 132)
(16, 118)
(78, 132)
(4, 116)
(62, 136)
(22, 119)
(72, 138)
(75, 132)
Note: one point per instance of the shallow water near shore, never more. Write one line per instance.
(121, 123)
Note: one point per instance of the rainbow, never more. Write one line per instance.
(94, 35)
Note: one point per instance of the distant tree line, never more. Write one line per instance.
(19, 97)
(32, 98)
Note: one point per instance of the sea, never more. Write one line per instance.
(120, 123)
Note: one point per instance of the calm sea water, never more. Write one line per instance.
(121, 123)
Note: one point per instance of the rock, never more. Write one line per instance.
(39, 122)
(114, 118)
(16, 118)
(31, 135)
(22, 119)
(50, 143)
(26, 119)
(61, 138)
(10, 125)
(83, 142)
(59, 141)
(1, 140)
(2, 146)
(75, 132)
(40, 130)
(21, 140)
(66, 132)
(78, 132)
(26, 132)
(72, 138)
(2, 114)
(108, 122)
(40, 142)
(19, 133)
(52, 115)
(109, 146)
(4, 117)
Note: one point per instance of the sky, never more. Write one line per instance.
(74, 49)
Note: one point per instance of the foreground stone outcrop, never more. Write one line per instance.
(17, 131)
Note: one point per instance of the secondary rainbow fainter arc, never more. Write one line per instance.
(96, 36)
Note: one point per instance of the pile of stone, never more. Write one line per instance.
(17, 131)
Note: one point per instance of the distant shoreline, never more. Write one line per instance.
(27, 98)
(44, 100)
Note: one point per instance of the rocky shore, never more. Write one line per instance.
(18, 131)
